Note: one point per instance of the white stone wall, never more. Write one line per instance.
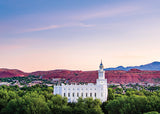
(73, 92)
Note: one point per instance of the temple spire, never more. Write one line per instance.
(101, 65)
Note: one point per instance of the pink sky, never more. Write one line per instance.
(76, 35)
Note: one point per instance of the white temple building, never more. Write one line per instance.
(73, 92)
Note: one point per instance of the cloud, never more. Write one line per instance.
(59, 26)
(43, 28)
(50, 20)
(105, 12)
(77, 17)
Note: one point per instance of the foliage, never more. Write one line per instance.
(133, 105)
(39, 99)
(24, 80)
(152, 112)
(88, 106)
(111, 94)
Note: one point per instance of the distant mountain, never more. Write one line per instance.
(151, 66)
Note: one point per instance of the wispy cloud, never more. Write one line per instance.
(106, 12)
(78, 17)
(59, 26)
(48, 21)
(43, 28)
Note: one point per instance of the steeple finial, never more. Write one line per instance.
(101, 65)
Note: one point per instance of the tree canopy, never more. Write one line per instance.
(39, 99)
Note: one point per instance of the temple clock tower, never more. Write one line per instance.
(101, 75)
(101, 72)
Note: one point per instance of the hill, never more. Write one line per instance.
(115, 76)
(4, 73)
(120, 75)
(154, 66)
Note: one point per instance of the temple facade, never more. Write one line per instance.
(74, 91)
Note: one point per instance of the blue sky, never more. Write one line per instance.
(76, 35)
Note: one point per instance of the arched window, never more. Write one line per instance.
(77, 94)
(82, 94)
(68, 94)
(95, 94)
(64, 94)
(90, 94)
(86, 94)
(73, 94)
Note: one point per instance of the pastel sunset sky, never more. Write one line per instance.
(77, 34)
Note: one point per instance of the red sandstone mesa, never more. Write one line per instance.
(116, 76)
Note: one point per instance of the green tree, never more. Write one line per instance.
(119, 90)
(28, 104)
(111, 94)
(127, 105)
(88, 106)
(58, 104)
(5, 97)
(152, 112)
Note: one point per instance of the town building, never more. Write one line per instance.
(98, 90)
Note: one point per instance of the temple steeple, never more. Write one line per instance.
(101, 65)
(101, 75)
(101, 72)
